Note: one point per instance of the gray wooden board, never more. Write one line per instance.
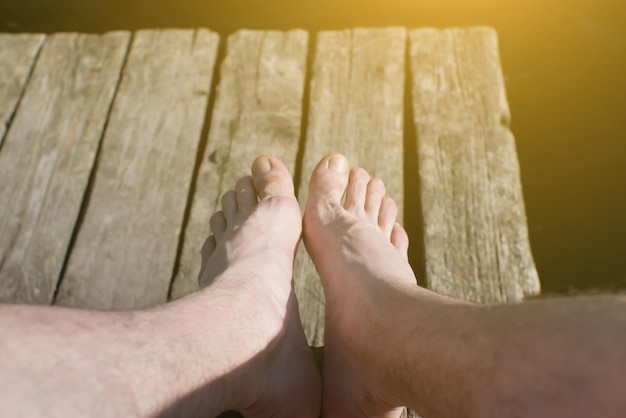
(126, 247)
(475, 229)
(356, 108)
(258, 110)
(17, 57)
(48, 155)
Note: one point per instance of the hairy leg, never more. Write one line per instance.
(391, 343)
(235, 345)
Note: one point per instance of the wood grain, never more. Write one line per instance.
(126, 247)
(475, 229)
(356, 108)
(17, 58)
(258, 110)
(47, 158)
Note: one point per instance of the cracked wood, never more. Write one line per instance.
(17, 57)
(127, 244)
(475, 230)
(258, 110)
(47, 158)
(356, 108)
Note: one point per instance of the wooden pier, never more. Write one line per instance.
(115, 149)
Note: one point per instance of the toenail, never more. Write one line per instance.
(338, 163)
(261, 165)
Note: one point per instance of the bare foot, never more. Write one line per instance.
(361, 255)
(249, 258)
(237, 345)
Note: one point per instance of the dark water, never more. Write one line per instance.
(565, 66)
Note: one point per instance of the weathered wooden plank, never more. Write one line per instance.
(47, 158)
(125, 250)
(475, 230)
(258, 110)
(356, 108)
(17, 57)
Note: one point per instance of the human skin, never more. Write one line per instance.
(391, 343)
(238, 344)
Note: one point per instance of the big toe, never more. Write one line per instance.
(271, 178)
(328, 181)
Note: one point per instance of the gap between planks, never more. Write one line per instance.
(258, 109)
(356, 73)
(475, 229)
(125, 250)
(470, 188)
(47, 157)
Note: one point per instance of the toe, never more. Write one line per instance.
(207, 251)
(328, 181)
(271, 178)
(229, 206)
(400, 240)
(357, 190)
(373, 200)
(218, 225)
(246, 195)
(387, 215)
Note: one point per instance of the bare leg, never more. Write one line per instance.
(391, 343)
(236, 345)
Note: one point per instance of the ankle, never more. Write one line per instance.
(218, 341)
(431, 334)
(373, 340)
